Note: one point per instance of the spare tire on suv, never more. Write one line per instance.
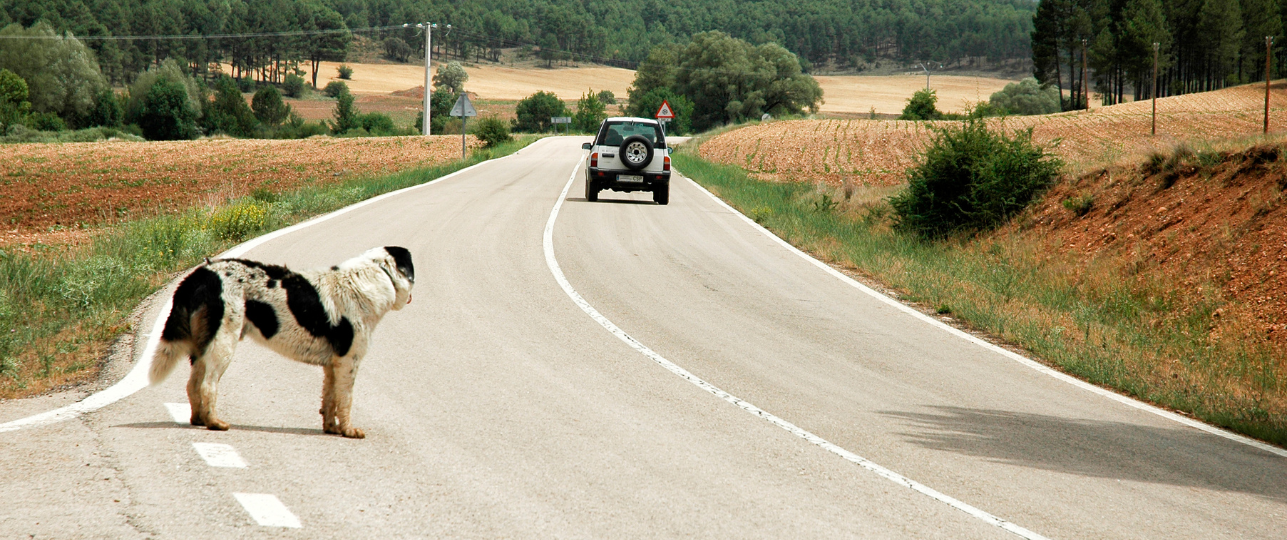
(636, 152)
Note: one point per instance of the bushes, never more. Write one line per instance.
(228, 113)
(1026, 97)
(492, 131)
(335, 88)
(921, 106)
(397, 50)
(345, 71)
(293, 85)
(534, 112)
(970, 179)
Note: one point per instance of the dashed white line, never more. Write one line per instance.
(180, 412)
(267, 510)
(553, 264)
(220, 455)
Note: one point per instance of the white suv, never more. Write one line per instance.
(628, 154)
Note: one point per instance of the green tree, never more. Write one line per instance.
(451, 76)
(590, 112)
(330, 45)
(922, 106)
(108, 111)
(268, 106)
(1222, 39)
(61, 73)
(658, 70)
(730, 80)
(228, 112)
(397, 50)
(646, 105)
(145, 81)
(13, 100)
(346, 114)
(1026, 97)
(533, 112)
(166, 113)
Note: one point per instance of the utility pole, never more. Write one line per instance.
(428, 55)
(1269, 43)
(1156, 46)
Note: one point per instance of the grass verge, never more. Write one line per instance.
(61, 307)
(1139, 337)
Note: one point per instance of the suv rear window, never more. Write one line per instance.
(614, 133)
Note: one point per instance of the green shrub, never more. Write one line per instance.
(378, 124)
(607, 97)
(492, 131)
(46, 121)
(1026, 97)
(922, 106)
(972, 178)
(246, 86)
(533, 112)
(1079, 205)
(345, 71)
(293, 85)
(335, 88)
(228, 112)
(346, 114)
(589, 113)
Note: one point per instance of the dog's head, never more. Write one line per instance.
(396, 262)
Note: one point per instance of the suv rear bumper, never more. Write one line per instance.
(604, 179)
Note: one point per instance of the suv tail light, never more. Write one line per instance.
(594, 159)
(665, 166)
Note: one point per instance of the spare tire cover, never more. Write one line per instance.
(635, 152)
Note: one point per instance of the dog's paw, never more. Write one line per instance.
(217, 425)
(353, 433)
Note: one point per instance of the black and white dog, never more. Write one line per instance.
(320, 317)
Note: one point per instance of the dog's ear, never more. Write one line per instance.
(402, 259)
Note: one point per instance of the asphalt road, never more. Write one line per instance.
(495, 406)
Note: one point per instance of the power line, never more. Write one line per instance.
(213, 36)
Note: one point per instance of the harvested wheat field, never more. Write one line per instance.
(888, 94)
(485, 81)
(49, 187)
(877, 152)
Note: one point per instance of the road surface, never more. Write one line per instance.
(495, 405)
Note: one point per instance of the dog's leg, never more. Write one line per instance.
(345, 371)
(194, 392)
(328, 399)
(209, 368)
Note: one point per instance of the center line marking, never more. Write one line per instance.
(553, 264)
(267, 510)
(219, 455)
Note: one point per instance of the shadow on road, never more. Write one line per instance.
(611, 201)
(262, 429)
(1179, 456)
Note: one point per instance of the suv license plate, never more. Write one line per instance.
(629, 178)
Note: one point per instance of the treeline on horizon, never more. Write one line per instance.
(1202, 45)
(846, 34)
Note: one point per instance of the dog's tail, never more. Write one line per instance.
(195, 316)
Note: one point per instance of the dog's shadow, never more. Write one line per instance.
(261, 429)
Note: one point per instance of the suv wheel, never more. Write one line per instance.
(661, 194)
(635, 152)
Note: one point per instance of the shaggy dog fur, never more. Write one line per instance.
(320, 317)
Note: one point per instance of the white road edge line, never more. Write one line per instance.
(553, 264)
(136, 379)
(219, 455)
(267, 510)
(1000, 350)
(180, 412)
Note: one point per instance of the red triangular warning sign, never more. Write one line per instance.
(665, 112)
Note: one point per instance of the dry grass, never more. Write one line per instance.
(888, 94)
(487, 81)
(877, 151)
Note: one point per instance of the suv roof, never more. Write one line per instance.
(630, 118)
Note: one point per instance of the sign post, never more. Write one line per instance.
(664, 114)
(464, 109)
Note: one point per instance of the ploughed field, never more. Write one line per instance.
(49, 188)
(877, 152)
